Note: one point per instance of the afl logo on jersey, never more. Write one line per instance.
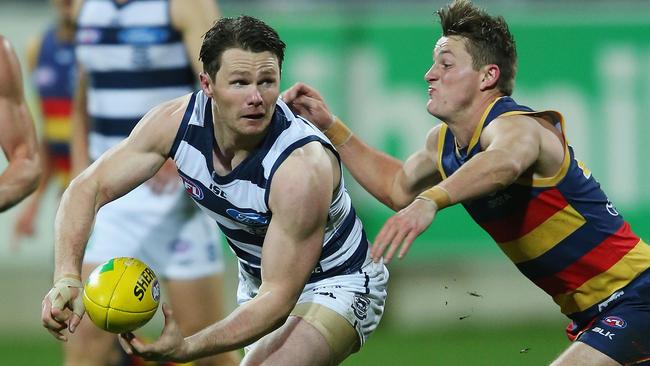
(248, 218)
(192, 189)
(614, 321)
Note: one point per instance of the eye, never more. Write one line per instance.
(239, 82)
(266, 82)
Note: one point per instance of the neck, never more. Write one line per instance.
(464, 123)
(231, 147)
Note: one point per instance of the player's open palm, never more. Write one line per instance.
(401, 230)
(171, 345)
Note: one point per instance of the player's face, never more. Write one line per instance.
(245, 90)
(453, 82)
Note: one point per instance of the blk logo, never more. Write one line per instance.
(603, 332)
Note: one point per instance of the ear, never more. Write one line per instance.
(489, 76)
(206, 83)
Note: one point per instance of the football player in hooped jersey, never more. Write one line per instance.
(133, 55)
(309, 291)
(515, 174)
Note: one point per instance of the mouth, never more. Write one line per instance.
(254, 116)
(430, 90)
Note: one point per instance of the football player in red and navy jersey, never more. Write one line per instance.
(513, 171)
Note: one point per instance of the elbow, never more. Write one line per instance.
(506, 174)
(34, 171)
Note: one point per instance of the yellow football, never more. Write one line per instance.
(121, 295)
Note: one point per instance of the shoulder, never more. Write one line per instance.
(305, 164)
(511, 127)
(432, 138)
(159, 126)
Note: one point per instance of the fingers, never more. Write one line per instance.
(74, 321)
(53, 326)
(124, 340)
(294, 91)
(169, 316)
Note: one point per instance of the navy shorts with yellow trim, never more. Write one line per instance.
(622, 330)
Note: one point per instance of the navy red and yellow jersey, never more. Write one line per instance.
(561, 232)
(54, 77)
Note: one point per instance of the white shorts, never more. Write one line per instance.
(357, 297)
(166, 231)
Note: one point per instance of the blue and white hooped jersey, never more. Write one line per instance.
(238, 202)
(135, 60)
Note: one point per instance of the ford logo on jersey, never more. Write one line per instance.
(143, 35)
(247, 218)
(192, 189)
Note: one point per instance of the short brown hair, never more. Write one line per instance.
(243, 32)
(488, 39)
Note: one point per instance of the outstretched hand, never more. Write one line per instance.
(307, 102)
(66, 295)
(171, 345)
(402, 229)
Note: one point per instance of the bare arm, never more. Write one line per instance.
(18, 137)
(391, 181)
(117, 172)
(193, 18)
(511, 146)
(25, 221)
(300, 196)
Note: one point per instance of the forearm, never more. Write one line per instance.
(246, 324)
(72, 226)
(18, 181)
(486, 173)
(375, 171)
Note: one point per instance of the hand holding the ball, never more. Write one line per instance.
(66, 294)
(171, 346)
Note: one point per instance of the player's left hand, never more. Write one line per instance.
(402, 228)
(166, 179)
(171, 345)
(308, 103)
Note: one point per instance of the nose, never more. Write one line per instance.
(255, 98)
(431, 74)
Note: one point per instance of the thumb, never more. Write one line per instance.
(78, 310)
(169, 314)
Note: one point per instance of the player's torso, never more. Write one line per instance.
(238, 201)
(134, 59)
(54, 77)
(562, 232)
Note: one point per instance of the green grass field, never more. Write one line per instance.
(518, 345)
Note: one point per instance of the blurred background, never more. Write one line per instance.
(456, 299)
